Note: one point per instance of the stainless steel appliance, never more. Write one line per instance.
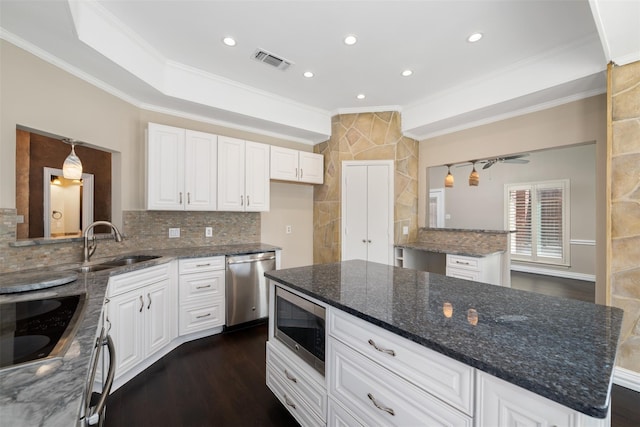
(95, 403)
(300, 325)
(247, 292)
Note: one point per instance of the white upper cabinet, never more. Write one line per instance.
(243, 175)
(181, 169)
(294, 165)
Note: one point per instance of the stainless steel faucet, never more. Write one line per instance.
(89, 249)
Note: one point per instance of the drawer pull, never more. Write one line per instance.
(379, 406)
(203, 265)
(202, 316)
(289, 402)
(203, 287)
(462, 262)
(290, 377)
(382, 350)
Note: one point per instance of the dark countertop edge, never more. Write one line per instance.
(470, 230)
(590, 410)
(94, 285)
(428, 247)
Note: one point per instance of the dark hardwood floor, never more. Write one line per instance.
(214, 381)
(220, 380)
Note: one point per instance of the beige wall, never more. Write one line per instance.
(624, 227)
(41, 96)
(568, 124)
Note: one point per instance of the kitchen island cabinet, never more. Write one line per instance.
(512, 357)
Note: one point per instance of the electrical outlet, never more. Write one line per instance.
(405, 230)
(208, 232)
(288, 229)
(174, 232)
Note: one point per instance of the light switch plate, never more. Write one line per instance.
(405, 230)
(174, 232)
(208, 232)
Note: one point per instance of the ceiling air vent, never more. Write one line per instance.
(271, 59)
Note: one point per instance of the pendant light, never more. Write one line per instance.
(448, 180)
(72, 167)
(474, 178)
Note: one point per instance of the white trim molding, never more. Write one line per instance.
(626, 378)
(582, 242)
(552, 272)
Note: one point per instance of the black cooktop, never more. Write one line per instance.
(37, 329)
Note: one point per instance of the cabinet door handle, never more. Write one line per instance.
(203, 287)
(364, 240)
(188, 198)
(301, 173)
(202, 316)
(379, 406)
(290, 377)
(181, 197)
(141, 304)
(368, 241)
(149, 296)
(380, 349)
(248, 201)
(289, 402)
(241, 200)
(296, 172)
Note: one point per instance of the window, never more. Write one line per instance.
(539, 214)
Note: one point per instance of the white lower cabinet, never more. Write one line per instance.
(294, 385)
(201, 294)
(141, 310)
(502, 404)
(485, 269)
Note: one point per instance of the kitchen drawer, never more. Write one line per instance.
(201, 286)
(291, 400)
(126, 282)
(448, 379)
(339, 417)
(314, 394)
(193, 265)
(376, 396)
(464, 262)
(463, 274)
(198, 317)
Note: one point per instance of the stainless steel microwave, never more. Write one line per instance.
(300, 325)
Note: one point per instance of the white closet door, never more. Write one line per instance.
(354, 227)
(378, 233)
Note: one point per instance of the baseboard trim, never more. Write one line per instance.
(556, 273)
(626, 378)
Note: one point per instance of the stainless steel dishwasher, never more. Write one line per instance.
(247, 292)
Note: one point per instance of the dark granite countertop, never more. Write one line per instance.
(50, 392)
(559, 348)
(450, 248)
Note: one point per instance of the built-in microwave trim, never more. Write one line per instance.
(306, 305)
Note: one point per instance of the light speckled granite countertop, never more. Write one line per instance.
(559, 348)
(50, 392)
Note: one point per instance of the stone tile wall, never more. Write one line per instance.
(481, 239)
(143, 230)
(624, 260)
(366, 136)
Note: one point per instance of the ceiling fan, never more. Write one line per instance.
(508, 159)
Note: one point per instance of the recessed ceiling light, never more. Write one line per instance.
(350, 40)
(474, 37)
(360, 96)
(229, 41)
(308, 74)
(407, 73)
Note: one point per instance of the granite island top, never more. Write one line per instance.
(449, 248)
(50, 392)
(559, 348)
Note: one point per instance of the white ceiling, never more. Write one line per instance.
(168, 56)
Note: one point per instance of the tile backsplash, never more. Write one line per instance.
(143, 230)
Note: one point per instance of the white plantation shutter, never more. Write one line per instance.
(538, 212)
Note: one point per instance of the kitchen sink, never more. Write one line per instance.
(118, 262)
